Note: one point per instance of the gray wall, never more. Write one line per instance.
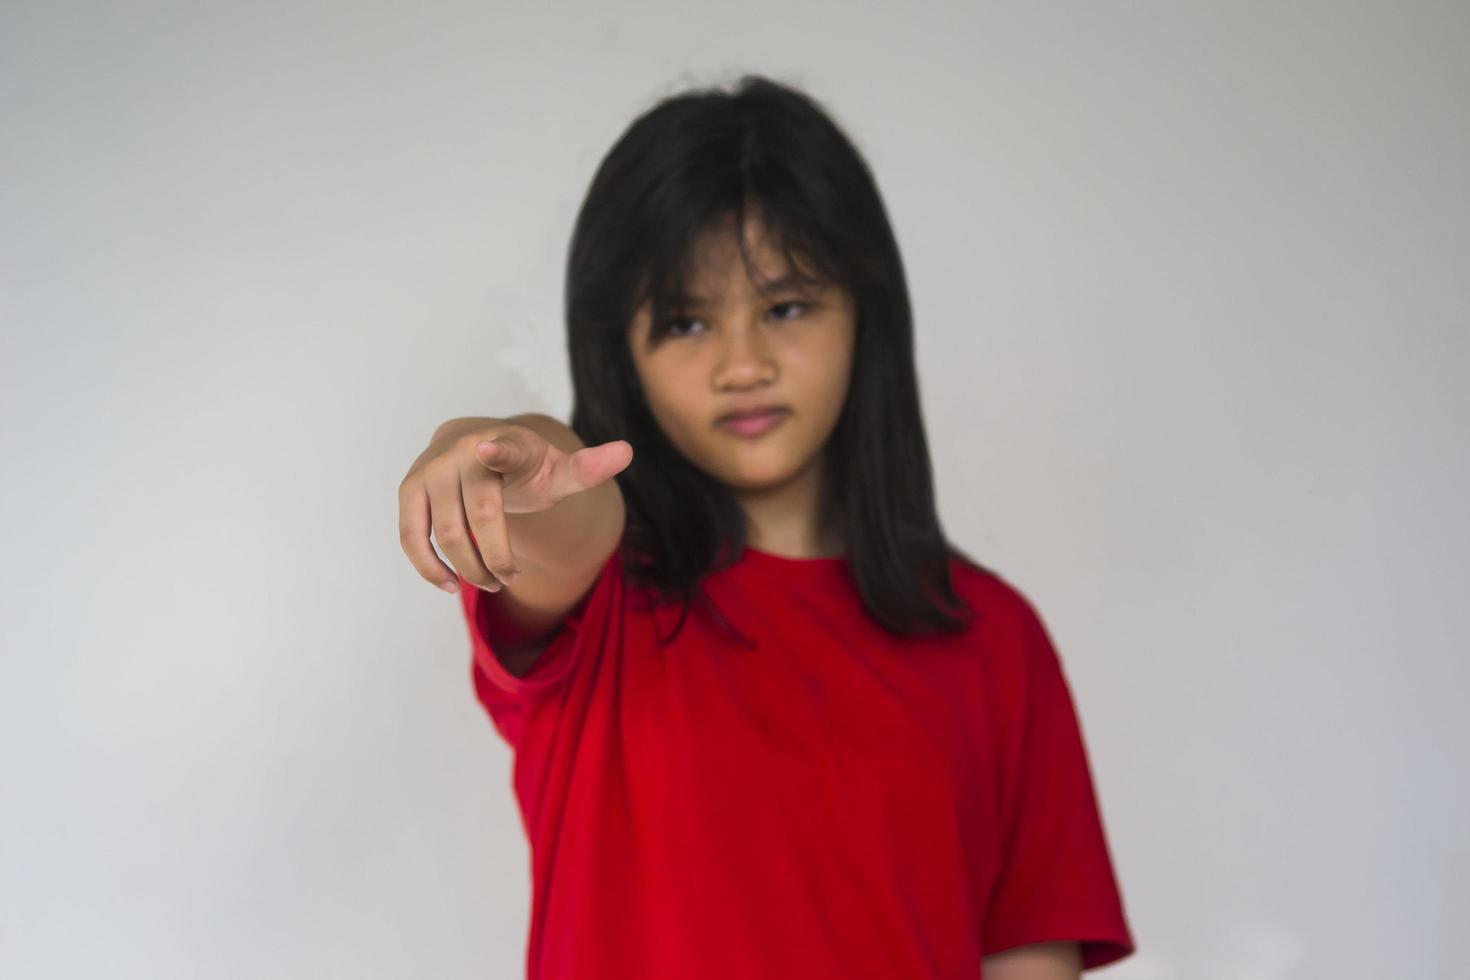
(1191, 290)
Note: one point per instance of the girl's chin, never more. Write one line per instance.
(758, 477)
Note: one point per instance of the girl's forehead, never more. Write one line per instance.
(717, 247)
(735, 280)
(716, 266)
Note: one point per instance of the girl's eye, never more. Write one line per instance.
(674, 326)
(797, 303)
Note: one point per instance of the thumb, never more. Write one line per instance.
(502, 456)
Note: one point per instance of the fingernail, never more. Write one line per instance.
(450, 587)
(507, 579)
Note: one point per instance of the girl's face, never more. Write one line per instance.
(734, 348)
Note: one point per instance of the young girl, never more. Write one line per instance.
(768, 722)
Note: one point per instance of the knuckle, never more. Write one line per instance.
(486, 509)
(448, 535)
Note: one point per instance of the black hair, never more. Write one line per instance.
(688, 165)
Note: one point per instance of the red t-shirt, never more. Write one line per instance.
(833, 801)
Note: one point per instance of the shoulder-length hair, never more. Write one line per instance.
(686, 166)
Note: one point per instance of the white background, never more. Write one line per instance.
(1192, 291)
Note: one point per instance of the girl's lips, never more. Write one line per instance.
(754, 425)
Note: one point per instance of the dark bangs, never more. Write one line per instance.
(668, 264)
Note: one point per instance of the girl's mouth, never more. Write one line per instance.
(754, 425)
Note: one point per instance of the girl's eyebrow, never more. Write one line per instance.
(791, 280)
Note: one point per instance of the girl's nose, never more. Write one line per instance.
(744, 358)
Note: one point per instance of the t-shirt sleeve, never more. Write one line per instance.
(1056, 878)
(504, 695)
